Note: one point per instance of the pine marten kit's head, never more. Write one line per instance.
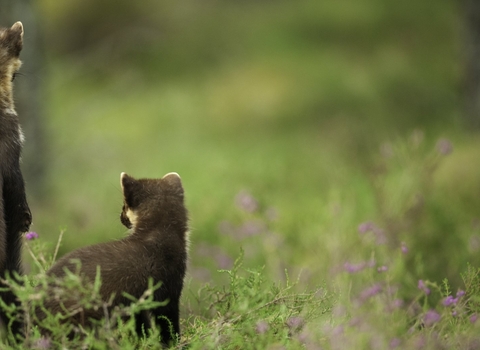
(153, 203)
(11, 43)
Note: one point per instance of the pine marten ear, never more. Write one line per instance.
(126, 181)
(128, 187)
(15, 38)
(174, 181)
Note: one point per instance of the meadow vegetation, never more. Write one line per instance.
(333, 189)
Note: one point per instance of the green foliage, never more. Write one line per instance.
(250, 312)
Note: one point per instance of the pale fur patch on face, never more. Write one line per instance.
(133, 217)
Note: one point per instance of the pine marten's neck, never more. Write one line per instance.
(6, 94)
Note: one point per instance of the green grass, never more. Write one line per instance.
(326, 113)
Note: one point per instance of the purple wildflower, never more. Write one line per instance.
(431, 317)
(404, 248)
(366, 227)
(396, 304)
(370, 292)
(246, 201)
(422, 286)
(353, 268)
(337, 330)
(252, 228)
(449, 301)
(460, 293)
(261, 327)
(473, 318)
(395, 343)
(444, 147)
(223, 260)
(42, 343)
(382, 268)
(295, 322)
(31, 235)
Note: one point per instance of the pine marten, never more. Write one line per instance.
(15, 215)
(156, 248)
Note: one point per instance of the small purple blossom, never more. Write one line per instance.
(246, 201)
(370, 292)
(404, 248)
(396, 304)
(382, 268)
(431, 317)
(395, 343)
(366, 227)
(422, 286)
(31, 235)
(473, 318)
(449, 301)
(444, 147)
(42, 343)
(295, 322)
(460, 293)
(251, 228)
(261, 327)
(353, 268)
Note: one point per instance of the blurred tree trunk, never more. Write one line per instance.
(471, 10)
(28, 95)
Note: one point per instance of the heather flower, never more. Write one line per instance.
(353, 268)
(295, 322)
(422, 286)
(31, 235)
(261, 327)
(473, 318)
(366, 227)
(397, 303)
(460, 293)
(444, 147)
(404, 248)
(246, 201)
(252, 228)
(382, 268)
(370, 292)
(42, 343)
(431, 317)
(450, 300)
(380, 235)
(223, 260)
(395, 343)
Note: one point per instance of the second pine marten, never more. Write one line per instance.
(156, 248)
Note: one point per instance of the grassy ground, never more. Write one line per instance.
(291, 125)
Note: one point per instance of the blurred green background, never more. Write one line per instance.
(323, 114)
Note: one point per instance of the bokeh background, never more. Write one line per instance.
(290, 123)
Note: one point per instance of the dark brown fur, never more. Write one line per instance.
(155, 249)
(15, 216)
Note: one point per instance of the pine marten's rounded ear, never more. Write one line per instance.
(173, 180)
(126, 180)
(15, 36)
